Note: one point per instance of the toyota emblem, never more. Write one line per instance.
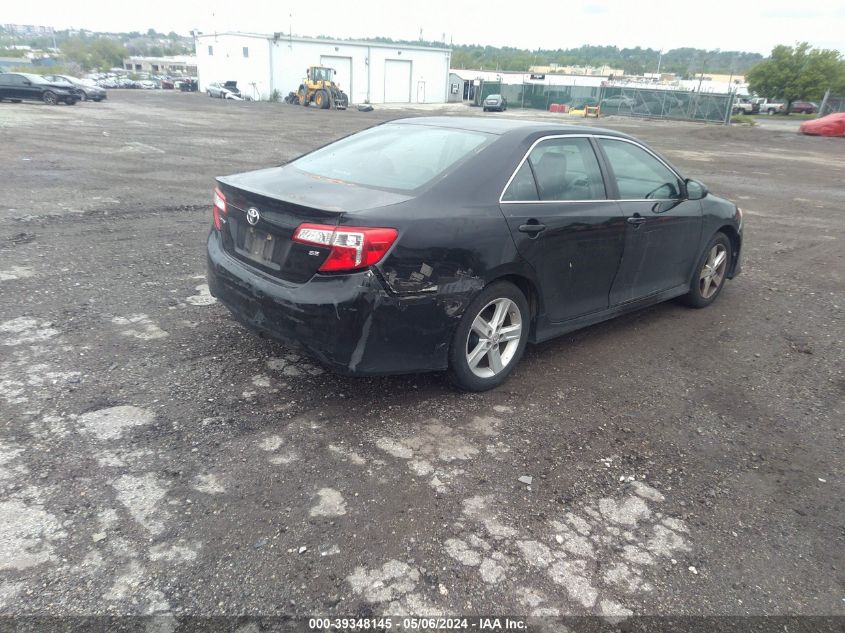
(253, 216)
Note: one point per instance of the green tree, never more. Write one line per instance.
(797, 73)
(101, 53)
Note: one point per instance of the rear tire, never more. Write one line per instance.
(490, 339)
(710, 273)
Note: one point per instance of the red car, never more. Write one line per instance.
(803, 107)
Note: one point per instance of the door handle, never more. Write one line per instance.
(636, 220)
(532, 228)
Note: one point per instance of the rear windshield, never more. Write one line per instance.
(395, 156)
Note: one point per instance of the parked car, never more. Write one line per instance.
(449, 243)
(743, 105)
(25, 86)
(803, 107)
(768, 106)
(187, 85)
(167, 83)
(620, 101)
(86, 90)
(225, 90)
(148, 84)
(496, 103)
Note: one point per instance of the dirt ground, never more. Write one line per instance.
(156, 458)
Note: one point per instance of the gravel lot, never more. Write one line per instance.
(155, 457)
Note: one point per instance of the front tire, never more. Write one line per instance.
(711, 272)
(321, 99)
(490, 339)
(50, 98)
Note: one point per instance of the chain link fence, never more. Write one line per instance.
(666, 104)
(831, 104)
(624, 101)
(539, 96)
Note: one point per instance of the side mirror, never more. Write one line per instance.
(27, 82)
(695, 190)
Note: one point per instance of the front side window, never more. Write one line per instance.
(562, 169)
(394, 156)
(639, 175)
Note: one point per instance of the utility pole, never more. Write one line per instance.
(701, 77)
(659, 60)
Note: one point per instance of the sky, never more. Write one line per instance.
(658, 24)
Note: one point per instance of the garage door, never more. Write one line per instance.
(397, 81)
(343, 66)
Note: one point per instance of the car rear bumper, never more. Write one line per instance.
(349, 322)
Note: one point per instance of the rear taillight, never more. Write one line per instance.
(352, 247)
(219, 209)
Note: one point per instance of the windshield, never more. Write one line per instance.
(395, 156)
(60, 80)
(322, 74)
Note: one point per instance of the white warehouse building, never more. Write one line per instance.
(366, 71)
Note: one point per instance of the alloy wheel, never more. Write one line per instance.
(713, 273)
(494, 338)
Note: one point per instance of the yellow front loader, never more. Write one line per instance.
(320, 89)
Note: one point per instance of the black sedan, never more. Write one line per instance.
(29, 87)
(495, 103)
(450, 243)
(87, 91)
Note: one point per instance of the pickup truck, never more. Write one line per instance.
(745, 106)
(768, 106)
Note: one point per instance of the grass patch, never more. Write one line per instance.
(743, 119)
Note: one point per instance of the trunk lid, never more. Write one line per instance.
(265, 207)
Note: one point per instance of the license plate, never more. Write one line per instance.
(258, 245)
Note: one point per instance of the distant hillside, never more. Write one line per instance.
(682, 61)
(635, 61)
(150, 42)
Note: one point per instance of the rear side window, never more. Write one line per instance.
(639, 175)
(522, 187)
(395, 156)
(560, 169)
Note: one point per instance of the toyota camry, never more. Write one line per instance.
(433, 244)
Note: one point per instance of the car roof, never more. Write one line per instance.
(493, 125)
